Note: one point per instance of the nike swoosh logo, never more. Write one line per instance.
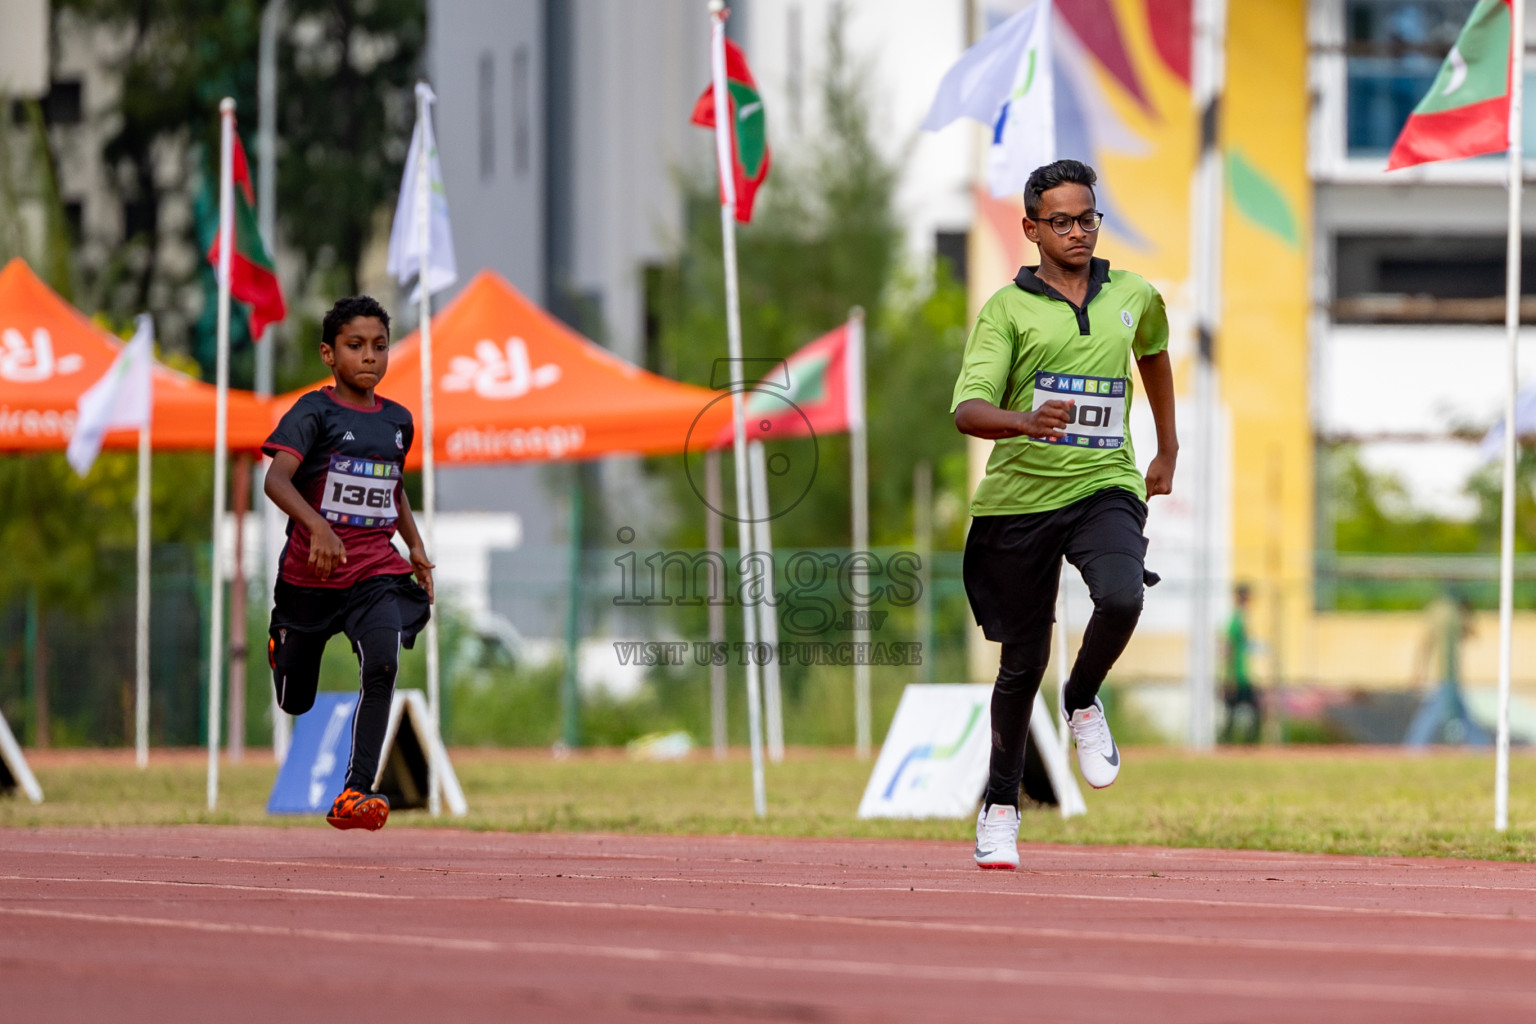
(1114, 755)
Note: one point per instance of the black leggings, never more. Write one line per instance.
(296, 675)
(1116, 583)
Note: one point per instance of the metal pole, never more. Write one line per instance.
(428, 459)
(1511, 428)
(714, 539)
(141, 602)
(767, 612)
(1063, 652)
(220, 443)
(266, 213)
(1209, 80)
(266, 181)
(570, 688)
(733, 339)
(922, 530)
(858, 444)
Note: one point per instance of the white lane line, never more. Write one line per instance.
(1316, 991)
(1073, 934)
(1010, 931)
(231, 928)
(1321, 908)
(1316, 908)
(276, 890)
(1169, 874)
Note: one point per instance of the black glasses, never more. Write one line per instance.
(1061, 223)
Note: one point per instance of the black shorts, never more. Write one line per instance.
(1013, 562)
(378, 602)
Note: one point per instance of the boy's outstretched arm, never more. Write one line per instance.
(420, 565)
(1157, 382)
(326, 551)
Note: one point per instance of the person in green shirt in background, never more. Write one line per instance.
(1046, 374)
(1237, 681)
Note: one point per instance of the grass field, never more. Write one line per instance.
(1331, 800)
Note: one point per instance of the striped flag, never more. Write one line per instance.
(1466, 111)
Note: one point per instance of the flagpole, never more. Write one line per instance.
(767, 612)
(428, 467)
(220, 441)
(272, 517)
(141, 596)
(1209, 76)
(717, 13)
(858, 444)
(714, 534)
(1511, 383)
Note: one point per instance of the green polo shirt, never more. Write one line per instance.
(1030, 344)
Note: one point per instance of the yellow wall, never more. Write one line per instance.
(1264, 352)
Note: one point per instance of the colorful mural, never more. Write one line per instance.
(1124, 106)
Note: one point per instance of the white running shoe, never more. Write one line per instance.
(1097, 755)
(997, 837)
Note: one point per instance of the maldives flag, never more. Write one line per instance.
(749, 128)
(810, 397)
(253, 278)
(1466, 112)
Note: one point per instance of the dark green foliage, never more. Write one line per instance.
(1372, 514)
(345, 70)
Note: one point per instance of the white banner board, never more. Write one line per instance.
(933, 763)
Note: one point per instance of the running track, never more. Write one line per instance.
(304, 924)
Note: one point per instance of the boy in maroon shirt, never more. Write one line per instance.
(337, 460)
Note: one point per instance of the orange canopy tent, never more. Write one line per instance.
(514, 384)
(50, 353)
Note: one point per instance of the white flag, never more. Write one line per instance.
(1006, 81)
(405, 257)
(120, 400)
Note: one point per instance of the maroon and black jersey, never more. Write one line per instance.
(350, 463)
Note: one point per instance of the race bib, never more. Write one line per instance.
(360, 492)
(1097, 420)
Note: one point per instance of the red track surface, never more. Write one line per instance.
(237, 924)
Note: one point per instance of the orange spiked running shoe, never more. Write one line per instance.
(356, 809)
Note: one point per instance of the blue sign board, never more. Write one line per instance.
(316, 767)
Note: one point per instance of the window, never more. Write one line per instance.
(950, 246)
(138, 218)
(1392, 50)
(74, 220)
(1424, 278)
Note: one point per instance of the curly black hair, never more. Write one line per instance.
(348, 309)
(1062, 172)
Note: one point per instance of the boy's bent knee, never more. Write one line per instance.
(1123, 605)
(295, 662)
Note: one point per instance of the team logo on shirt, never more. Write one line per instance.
(399, 440)
(1126, 318)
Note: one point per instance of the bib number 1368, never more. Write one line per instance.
(360, 492)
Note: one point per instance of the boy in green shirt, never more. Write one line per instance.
(1046, 374)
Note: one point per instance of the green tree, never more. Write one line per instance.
(344, 118)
